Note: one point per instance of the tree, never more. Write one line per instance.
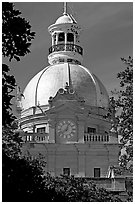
(8, 85)
(124, 105)
(22, 178)
(16, 40)
(71, 189)
(16, 33)
(19, 174)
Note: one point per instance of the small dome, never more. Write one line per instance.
(48, 81)
(65, 19)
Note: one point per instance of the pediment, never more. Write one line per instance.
(66, 108)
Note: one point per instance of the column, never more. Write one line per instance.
(81, 160)
(65, 40)
(74, 39)
(52, 39)
(52, 134)
(81, 131)
(56, 38)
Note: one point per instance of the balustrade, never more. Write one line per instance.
(89, 137)
(66, 47)
(35, 137)
(44, 137)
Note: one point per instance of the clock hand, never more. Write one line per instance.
(68, 130)
(65, 128)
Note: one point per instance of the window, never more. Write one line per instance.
(41, 130)
(66, 171)
(70, 37)
(91, 130)
(96, 172)
(61, 37)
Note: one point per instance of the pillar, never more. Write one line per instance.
(74, 39)
(52, 40)
(52, 133)
(56, 38)
(65, 40)
(80, 132)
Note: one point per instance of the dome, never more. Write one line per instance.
(48, 81)
(66, 18)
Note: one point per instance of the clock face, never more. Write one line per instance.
(66, 129)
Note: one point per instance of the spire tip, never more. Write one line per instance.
(65, 8)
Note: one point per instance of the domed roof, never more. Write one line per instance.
(66, 18)
(48, 81)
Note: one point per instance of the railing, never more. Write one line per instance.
(66, 47)
(89, 137)
(35, 137)
(44, 137)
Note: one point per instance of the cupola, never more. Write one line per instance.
(65, 34)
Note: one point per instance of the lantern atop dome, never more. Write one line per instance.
(65, 34)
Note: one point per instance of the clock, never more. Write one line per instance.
(66, 129)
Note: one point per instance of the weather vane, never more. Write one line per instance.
(65, 8)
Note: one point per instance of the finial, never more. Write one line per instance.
(65, 8)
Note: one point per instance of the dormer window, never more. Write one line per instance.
(70, 37)
(61, 37)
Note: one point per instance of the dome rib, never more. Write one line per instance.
(102, 92)
(38, 84)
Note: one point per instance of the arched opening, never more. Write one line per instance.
(61, 37)
(70, 38)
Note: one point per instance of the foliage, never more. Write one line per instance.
(20, 175)
(39, 188)
(124, 103)
(8, 85)
(16, 33)
(11, 143)
(71, 189)
(16, 39)
(22, 179)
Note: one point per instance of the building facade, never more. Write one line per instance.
(63, 111)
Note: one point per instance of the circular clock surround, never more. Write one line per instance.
(66, 129)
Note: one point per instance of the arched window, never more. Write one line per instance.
(70, 37)
(61, 37)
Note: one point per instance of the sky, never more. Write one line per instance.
(107, 35)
